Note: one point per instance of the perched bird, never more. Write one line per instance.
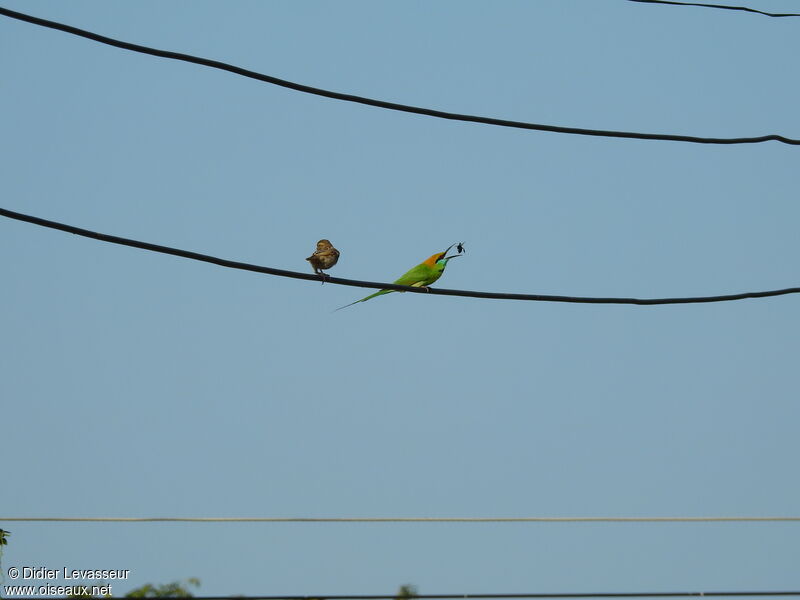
(422, 275)
(324, 257)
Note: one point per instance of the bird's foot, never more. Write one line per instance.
(323, 276)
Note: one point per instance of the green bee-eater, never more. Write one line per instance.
(422, 275)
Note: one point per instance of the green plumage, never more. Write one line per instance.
(423, 275)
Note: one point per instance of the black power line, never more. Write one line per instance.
(382, 103)
(744, 8)
(113, 239)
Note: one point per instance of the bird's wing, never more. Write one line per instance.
(419, 275)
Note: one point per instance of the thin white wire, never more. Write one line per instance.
(403, 519)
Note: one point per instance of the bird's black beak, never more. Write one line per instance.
(448, 250)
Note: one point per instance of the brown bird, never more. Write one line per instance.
(324, 257)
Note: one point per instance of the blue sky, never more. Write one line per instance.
(141, 385)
